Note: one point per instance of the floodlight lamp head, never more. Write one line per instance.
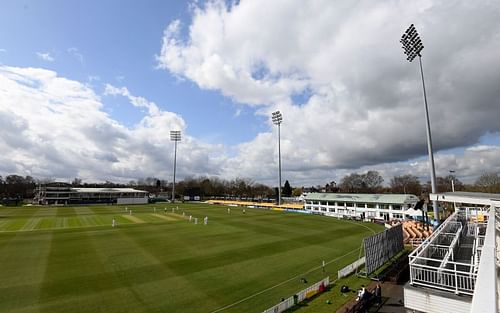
(175, 135)
(277, 117)
(412, 44)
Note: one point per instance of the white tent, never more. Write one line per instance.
(413, 212)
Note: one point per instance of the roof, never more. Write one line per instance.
(363, 197)
(260, 204)
(108, 190)
(466, 197)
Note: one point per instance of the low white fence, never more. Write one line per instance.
(300, 296)
(312, 290)
(282, 306)
(350, 268)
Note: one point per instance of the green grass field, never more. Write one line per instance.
(70, 259)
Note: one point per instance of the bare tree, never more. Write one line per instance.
(406, 184)
(369, 182)
(488, 182)
(373, 181)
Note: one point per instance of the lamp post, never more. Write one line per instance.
(277, 119)
(412, 44)
(452, 174)
(175, 136)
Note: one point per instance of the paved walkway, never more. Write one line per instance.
(392, 295)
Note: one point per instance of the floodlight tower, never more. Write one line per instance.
(175, 136)
(412, 45)
(277, 119)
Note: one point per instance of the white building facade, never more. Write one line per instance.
(360, 206)
(63, 194)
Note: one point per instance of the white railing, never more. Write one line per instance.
(485, 296)
(452, 248)
(433, 264)
(416, 242)
(459, 282)
(446, 226)
(480, 240)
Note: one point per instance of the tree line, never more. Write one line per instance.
(23, 187)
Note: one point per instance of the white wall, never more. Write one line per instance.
(433, 301)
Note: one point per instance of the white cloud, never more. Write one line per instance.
(136, 101)
(3, 50)
(361, 102)
(45, 56)
(475, 161)
(92, 78)
(350, 101)
(56, 127)
(76, 54)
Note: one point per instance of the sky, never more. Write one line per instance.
(91, 89)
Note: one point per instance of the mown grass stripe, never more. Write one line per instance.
(31, 223)
(133, 219)
(3, 223)
(164, 217)
(15, 224)
(23, 259)
(72, 271)
(83, 210)
(47, 223)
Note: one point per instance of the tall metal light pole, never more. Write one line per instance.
(413, 47)
(452, 174)
(175, 136)
(277, 119)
